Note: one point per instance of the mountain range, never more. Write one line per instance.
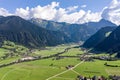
(39, 33)
(77, 32)
(16, 29)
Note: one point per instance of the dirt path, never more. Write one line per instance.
(7, 74)
(75, 72)
(65, 71)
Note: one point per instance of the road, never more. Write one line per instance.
(65, 71)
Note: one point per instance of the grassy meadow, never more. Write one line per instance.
(46, 68)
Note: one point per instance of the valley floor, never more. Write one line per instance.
(65, 66)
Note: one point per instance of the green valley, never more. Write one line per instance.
(54, 68)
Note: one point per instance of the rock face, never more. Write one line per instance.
(98, 37)
(16, 29)
(77, 32)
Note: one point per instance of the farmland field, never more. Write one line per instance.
(53, 69)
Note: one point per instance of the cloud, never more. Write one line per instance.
(71, 14)
(24, 13)
(72, 8)
(4, 12)
(90, 16)
(112, 12)
(73, 17)
(54, 12)
(83, 6)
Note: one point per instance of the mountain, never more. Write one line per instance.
(16, 29)
(100, 24)
(98, 37)
(1, 16)
(111, 43)
(50, 25)
(77, 32)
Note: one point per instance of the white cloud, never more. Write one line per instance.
(46, 12)
(112, 12)
(4, 12)
(54, 12)
(73, 17)
(72, 8)
(83, 6)
(59, 14)
(24, 13)
(90, 16)
(70, 15)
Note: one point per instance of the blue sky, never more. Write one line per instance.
(70, 11)
(93, 5)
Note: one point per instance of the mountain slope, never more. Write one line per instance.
(98, 37)
(77, 32)
(111, 43)
(50, 25)
(18, 30)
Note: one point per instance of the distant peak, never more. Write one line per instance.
(13, 16)
(102, 20)
(1, 16)
(107, 22)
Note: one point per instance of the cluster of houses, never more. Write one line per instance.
(31, 58)
(25, 59)
(69, 66)
(79, 77)
(114, 77)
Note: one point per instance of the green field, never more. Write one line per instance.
(3, 51)
(73, 52)
(51, 50)
(51, 69)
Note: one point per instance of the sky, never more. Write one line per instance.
(70, 11)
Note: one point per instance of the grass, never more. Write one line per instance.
(3, 51)
(36, 70)
(92, 68)
(73, 52)
(8, 60)
(11, 47)
(113, 70)
(42, 69)
(52, 50)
